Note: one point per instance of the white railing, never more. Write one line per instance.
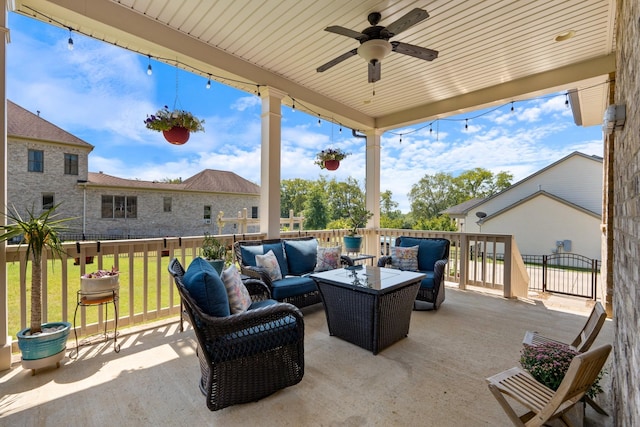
(147, 291)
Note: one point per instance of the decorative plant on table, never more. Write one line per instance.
(40, 233)
(175, 125)
(214, 251)
(330, 158)
(548, 363)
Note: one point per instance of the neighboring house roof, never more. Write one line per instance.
(465, 207)
(540, 193)
(24, 124)
(209, 180)
(462, 208)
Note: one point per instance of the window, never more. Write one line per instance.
(207, 212)
(36, 161)
(47, 201)
(166, 204)
(119, 207)
(254, 212)
(70, 164)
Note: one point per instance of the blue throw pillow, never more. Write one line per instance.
(205, 286)
(301, 255)
(430, 251)
(249, 255)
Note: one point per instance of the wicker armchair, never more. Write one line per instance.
(245, 356)
(433, 256)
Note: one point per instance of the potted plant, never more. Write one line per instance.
(548, 363)
(175, 125)
(214, 252)
(330, 158)
(357, 217)
(40, 344)
(100, 284)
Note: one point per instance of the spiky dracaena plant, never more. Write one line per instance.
(39, 233)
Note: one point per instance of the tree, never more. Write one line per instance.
(435, 193)
(293, 193)
(316, 212)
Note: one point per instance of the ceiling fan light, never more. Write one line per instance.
(374, 50)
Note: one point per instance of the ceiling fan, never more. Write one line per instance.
(375, 45)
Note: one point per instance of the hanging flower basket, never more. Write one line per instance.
(330, 158)
(175, 125)
(176, 135)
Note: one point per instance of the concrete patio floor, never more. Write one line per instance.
(434, 377)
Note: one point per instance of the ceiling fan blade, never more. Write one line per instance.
(415, 51)
(347, 32)
(404, 23)
(336, 61)
(374, 71)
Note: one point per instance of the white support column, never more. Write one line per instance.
(372, 181)
(5, 339)
(270, 163)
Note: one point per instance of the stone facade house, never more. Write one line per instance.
(49, 166)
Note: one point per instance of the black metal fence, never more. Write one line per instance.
(563, 273)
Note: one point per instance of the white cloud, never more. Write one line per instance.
(245, 103)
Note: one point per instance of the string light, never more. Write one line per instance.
(319, 121)
(512, 109)
(258, 86)
(293, 105)
(70, 41)
(340, 130)
(400, 138)
(208, 86)
(466, 124)
(430, 129)
(566, 99)
(149, 69)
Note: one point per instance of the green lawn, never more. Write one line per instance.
(54, 288)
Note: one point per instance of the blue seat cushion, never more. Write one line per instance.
(301, 255)
(249, 255)
(429, 251)
(292, 286)
(254, 340)
(263, 303)
(205, 286)
(428, 282)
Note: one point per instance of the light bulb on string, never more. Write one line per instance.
(319, 121)
(466, 124)
(258, 86)
(340, 130)
(566, 99)
(149, 69)
(400, 138)
(208, 86)
(430, 128)
(70, 41)
(512, 109)
(293, 104)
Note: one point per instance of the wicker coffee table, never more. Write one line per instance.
(368, 306)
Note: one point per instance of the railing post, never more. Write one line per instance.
(464, 261)
(544, 273)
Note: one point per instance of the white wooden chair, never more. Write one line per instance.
(543, 403)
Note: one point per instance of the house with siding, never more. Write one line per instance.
(48, 166)
(557, 209)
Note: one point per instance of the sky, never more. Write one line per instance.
(102, 94)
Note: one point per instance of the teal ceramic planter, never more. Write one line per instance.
(352, 244)
(43, 345)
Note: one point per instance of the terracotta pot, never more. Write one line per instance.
(176, 135)
(331, 164)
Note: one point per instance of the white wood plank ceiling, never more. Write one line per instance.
(490, 51)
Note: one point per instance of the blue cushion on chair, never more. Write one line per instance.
(429, 251)
(292, 286)
(427, 282)
(205, 286)
(301, 255)
(249, 255)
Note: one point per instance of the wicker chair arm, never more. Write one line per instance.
(346, 261)
(438, 270)
(235, 325)
(258, 290)
(259, 273)
(383, 261)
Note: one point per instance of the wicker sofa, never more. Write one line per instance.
(296, 259)
(249, 355)
(432, 259)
